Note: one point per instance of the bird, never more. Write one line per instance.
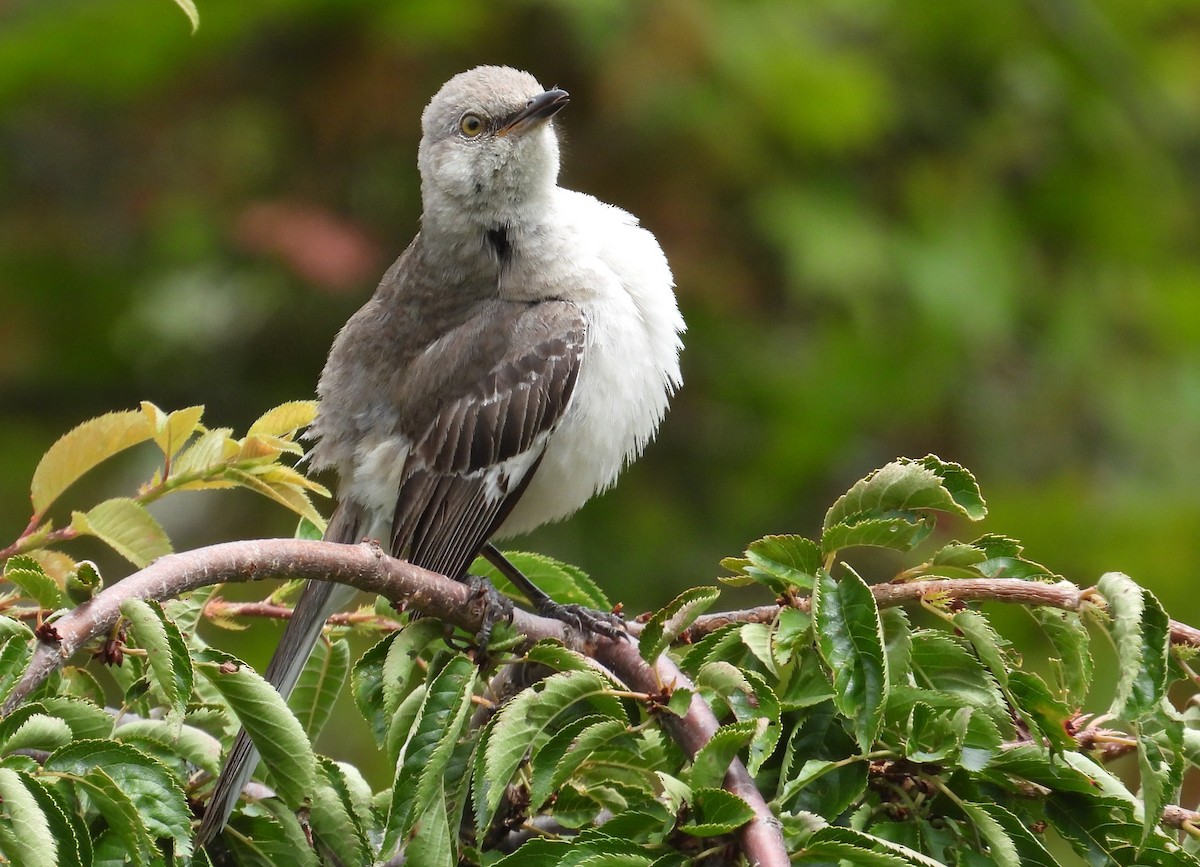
(516, 357)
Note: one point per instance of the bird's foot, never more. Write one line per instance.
(497, 608)
(583, 618)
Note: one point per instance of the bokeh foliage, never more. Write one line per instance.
(897, 227)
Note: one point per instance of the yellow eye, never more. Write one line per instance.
(471, 125)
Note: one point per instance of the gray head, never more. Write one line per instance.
(487, 147)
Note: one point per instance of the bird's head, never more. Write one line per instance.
(488, 150)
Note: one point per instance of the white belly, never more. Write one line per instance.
(629, 371)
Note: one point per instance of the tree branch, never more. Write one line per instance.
(1062, 594)
(366, 567)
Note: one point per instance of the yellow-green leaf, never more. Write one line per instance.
(172, 431)
(126, 527)
(294, 498)
(284, 419)
(189, 9)
(82, 448)
(209, 450)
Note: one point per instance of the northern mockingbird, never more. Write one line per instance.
(518, 354)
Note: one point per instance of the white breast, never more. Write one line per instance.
(615, 270)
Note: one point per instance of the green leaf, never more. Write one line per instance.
(147, 784)
(524, 720)
(39, 732)
(826, 790)
(33, 582)
(82, 448)
(166, 652)
(554, 762)
(276, 733)
(666, 624)
(367, 685)
(941, 663)
(791, 635)
(207, 452)
(906, 485)
(1141, 631)
(713, 759)
(26, 833)
(172, 431)
(269, 838)
(1072, 660)
(400, 671)
(1029, 849)
(175, 745)
(715, 812)
(319, 685)
(563, 582)
(434, 844)
(1160, 766)
(126, 527)
(1000, 846)
(428, 749)
(120, 814)
(335, 823)
(783, 562)
(850, 638)
(900, 532)
(860, 849)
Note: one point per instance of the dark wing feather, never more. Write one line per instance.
(456, 487)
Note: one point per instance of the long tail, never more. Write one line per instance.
(318, 600)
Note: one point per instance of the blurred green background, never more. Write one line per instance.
(969, 228)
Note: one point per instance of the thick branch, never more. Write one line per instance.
(366, 567)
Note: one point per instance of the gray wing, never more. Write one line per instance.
(475, 448)
(471, 461)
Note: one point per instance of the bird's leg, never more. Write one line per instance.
(496, 608)
(581, 617)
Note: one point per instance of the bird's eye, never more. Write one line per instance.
(471, 125)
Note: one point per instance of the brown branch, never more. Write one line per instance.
(217, 607)
(366, 567)
(1062, 594)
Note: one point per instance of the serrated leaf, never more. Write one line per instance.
(563, 582)
(1000, 846)
(270, 838)
(791, 635)
(319, 685)
(1029, 850)
(173, 744)
(715, 812)
(1141, 632)
(367, 685)
(552, 764)
(429, 746)
(28, 576)
(82, 448)
(285, 419)
(148, 785)
(666, 624)
(276, 733)
(433, 844)
(335, 822)
(790, 561)
(172, 431)
(26, 835)
(860, 849)
(127, 527)
(286, 495)
(850, 638)
(400, 670)
(713, 759)
(166, 651)
(39, 732)
(85, 720)
(71, 837)
(120, 814)
(943, 664)
(1072, 660)
(207, 452)
(1160, 766)
(524, 720)
(897, 532)
(906, 485)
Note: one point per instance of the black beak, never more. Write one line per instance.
(542, 107)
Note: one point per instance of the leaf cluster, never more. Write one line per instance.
(876, 735)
